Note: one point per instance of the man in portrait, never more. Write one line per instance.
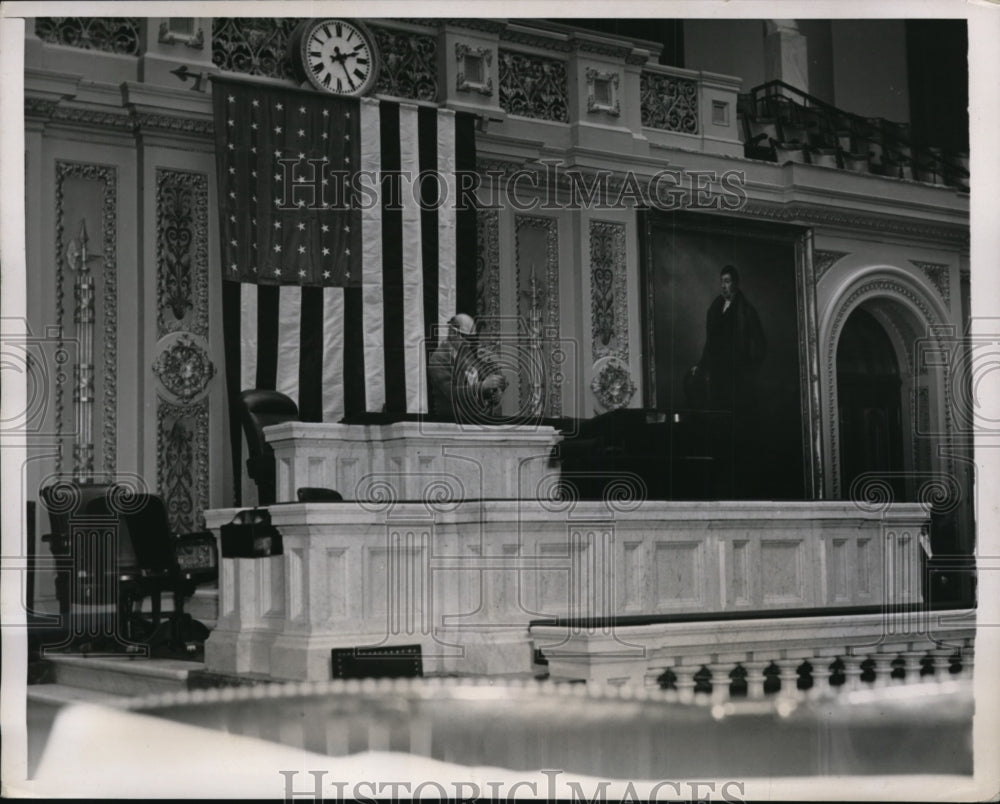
(726, 374)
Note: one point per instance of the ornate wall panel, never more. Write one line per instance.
(612, 384)
(608, 290)
(669, 104)
(533, 86)
(252, 45)
(110, 34)
(181, 252)
(537, 283)
(488, 273)
(86, 304)
(182, 364)
(409, 64)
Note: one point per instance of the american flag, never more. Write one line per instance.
(335, 275)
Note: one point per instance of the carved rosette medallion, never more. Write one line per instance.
(612, 384)
(183, 367)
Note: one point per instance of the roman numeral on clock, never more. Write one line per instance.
(318, 67)
(359, 74)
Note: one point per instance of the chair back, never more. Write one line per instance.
(144, 526)
(260, 409)
(66, 499)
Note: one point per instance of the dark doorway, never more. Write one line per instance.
(870, 408)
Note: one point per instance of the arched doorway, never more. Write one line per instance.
(870, 403)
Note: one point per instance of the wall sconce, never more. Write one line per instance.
(473, 69)
(602, 92)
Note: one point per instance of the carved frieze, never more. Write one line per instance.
(409, 64)
(253, 45)
(109, 34)
(608, 290)
(533, 86)
(668, 103)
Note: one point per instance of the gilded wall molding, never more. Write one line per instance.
(107, 176)
(538, 308)
(608, 291)
(117, 120)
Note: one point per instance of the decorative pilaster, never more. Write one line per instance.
(182, 365)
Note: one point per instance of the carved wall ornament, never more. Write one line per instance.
(182, 251)
(253, 45)
(488, 275)
(612, 384)
(533, 86)
(823, 261)
(538, 308)
(194, 40)
(182, 449)
(939, 276)
(473, 69)
(107, 252)
(409, 64)
(668, 103)
(109, 34)
(183, 367)
(602, 92)
(608, 290)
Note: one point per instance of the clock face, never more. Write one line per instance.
(339, 56)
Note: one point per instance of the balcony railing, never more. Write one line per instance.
(781, 123)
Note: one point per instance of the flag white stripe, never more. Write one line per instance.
(333, 354)
(447, 219)
(371, 265)
(248, 336)
(289, 340)
(413, 274)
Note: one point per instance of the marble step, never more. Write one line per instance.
(122, 675)
(63, 695)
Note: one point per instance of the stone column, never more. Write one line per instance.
(786, 54)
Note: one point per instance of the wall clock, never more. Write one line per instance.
(336, 56)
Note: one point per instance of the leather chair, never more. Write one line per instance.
(115, 548)
(260, 409)
(82, 574)
(163, 562)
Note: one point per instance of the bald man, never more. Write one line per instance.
(461, 387)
